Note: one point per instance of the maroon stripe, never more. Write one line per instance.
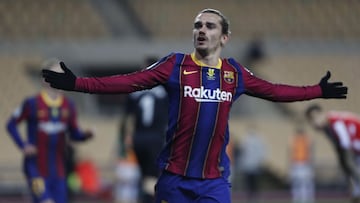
(182, 140)
(218, 138)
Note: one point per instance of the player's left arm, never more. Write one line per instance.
(260, 88)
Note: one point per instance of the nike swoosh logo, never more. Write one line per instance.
(189, 72)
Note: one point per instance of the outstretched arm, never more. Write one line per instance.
(145, 79)
(286, 93)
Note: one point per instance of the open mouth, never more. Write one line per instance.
(201, 39)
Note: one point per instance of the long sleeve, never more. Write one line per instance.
(18, 116)
(278, 92)
(140, 80)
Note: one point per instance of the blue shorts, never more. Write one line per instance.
(44, 188)
(172, 188)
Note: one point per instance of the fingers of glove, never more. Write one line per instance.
(63, 66)
(336, 84)
(342, 90)
(52, 74)
(46, 72)
(326, 77)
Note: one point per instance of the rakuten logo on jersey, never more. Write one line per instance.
(52, 127)
(207, 95)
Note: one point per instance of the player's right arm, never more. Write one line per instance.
(20, 114)
(154, 75)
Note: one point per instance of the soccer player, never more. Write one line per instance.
(49, 116)
(201, 88)
(143, 128)
(343, 130)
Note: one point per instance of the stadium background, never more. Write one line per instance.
(302, 39)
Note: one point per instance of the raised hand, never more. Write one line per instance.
(64, 81)
(332, 90)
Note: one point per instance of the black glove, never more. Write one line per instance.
(64, 81)
(332, 90)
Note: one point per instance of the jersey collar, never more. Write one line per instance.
(50, 101)
(199, 63)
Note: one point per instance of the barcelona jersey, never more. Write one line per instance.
(48, 122)
(200, 99)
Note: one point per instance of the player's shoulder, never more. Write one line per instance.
(31, 98)
(231, 62)
(68, 101)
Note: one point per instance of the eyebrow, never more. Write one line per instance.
(206, 23)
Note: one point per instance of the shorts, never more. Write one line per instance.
(44, 188)
(173, 188)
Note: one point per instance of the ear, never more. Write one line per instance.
(224, 39)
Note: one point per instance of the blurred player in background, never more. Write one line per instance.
(343, 130)
(144, 128)
(202, 88)
(49, 116)
(301, 167)
(252, 160)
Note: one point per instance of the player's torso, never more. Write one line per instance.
(200, 101)
(47, 127)
(51, 122)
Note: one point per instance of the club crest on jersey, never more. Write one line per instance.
(229, 76)
(42, 113)
(210, 74)
(65, 113)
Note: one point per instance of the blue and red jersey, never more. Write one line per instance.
(200, 99)
(48, 123)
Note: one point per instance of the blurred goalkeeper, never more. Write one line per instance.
(343, 130)
(201, 89)
(49, 116)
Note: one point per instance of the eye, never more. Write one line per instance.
(210, 25)
(197, 25)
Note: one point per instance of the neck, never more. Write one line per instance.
(211, 59)
(53, 94)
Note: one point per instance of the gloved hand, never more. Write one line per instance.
(332, 90)
(64, 81)
(88, 134)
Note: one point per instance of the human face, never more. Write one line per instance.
(207, 34)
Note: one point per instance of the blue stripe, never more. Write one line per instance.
(206, 125)
(53, 139)
(33, 122)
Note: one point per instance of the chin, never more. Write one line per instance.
(201, 48)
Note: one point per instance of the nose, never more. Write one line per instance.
(202, 28)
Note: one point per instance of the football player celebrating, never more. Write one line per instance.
(201, 89)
